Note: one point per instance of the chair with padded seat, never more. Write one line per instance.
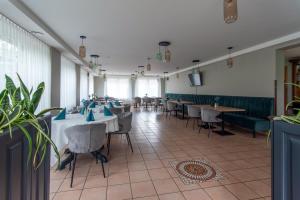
(116, 110)
(193, 114)
(171, 107)
(124, 121)
(209, 117)
(87, 138)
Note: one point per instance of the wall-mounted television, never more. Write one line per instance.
(196, 79)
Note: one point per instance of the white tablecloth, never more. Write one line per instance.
(58, 128)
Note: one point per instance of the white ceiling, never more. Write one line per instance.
(126, 32)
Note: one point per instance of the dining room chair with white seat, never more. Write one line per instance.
(193, 114)
(124, 121)
(209, 116)
(171, 107)
(87, 138)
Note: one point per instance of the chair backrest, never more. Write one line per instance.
(137, 99)
(127, 108)
(192, 111)
(157, 101)
(209, 115)
(171, 105)
(124, 120)
(86, 138)
(116, 111)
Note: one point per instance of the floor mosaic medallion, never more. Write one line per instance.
(195, 171)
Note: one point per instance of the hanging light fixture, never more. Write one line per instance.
(82, 49)
(230, 11)
(159, 55)
(166, 78)
(167, 53)
(229, 59)
(141, 70)
(148, 67)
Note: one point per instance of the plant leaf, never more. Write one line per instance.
(29, 140)
(36, 97)
(25, 92)
(40, 114)
(10, 85)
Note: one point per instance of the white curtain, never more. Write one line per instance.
(83, 84)
(149, 86)
(91, 85)
(118, 87)
(22, 53)
(68, 83)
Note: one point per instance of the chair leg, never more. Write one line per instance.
(200, 127)
(73, 169)
(129, 141)
(209, 130)
(108, 143)
(187, 122)
(194, 123)
(102, 165)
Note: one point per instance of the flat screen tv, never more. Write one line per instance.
(196, 79)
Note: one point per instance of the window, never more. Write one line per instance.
(22, 53)
(68, 83)
(91, 85)
(147, 86)
(83, 84)
(118, 87)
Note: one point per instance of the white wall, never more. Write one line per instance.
(253, 74)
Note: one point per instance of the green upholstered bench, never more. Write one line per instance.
(257, 109)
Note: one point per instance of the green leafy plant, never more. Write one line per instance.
(17, 109)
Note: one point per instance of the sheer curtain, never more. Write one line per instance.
(68, 83)
(91, 85)
(149, 86)
(21, 52)
(83, 84)
(118, 87)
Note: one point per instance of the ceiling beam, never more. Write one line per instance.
(277, 41)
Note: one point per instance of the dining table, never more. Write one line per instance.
(58, 128)
(221, 110)
(181, 103)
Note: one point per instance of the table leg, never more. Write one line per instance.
(223, 132)
(182, 111)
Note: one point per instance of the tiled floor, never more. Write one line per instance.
(146, 173)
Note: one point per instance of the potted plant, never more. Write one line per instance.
(285, 155)
(24, 141)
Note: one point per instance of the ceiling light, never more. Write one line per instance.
(167, 55)
(148, 65)
(229, 59)
(230, 11)
(82, 49)
(166, 78)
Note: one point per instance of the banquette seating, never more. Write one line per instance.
(258, 109)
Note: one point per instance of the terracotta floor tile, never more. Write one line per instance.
(260, 188)
(68, 195)
(95, 181)
(244, 161)
(184, 187)
(139, 176)
(136, 166)
(241, 191)
(220, 193)
(153, 164)
(171, 196)
(119, 178)
(55, 184)
(119, 192)
(142, 189)
(94, 194)
(164, 186)
(161, 173)
(198, 194)
(147, 198)
(78, 183)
